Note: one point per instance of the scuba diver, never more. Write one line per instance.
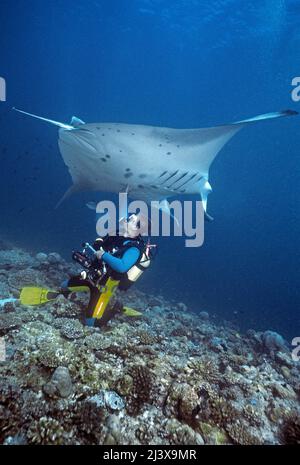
(116, 263)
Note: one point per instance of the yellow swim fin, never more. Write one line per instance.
(37, 296)
(107, 292)
(131, 312)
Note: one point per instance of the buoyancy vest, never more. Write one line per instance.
(117, 246)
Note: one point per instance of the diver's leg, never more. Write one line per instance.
(112, 309)
(100, 310)
(95, 295)
(74, 284)
(78, 284)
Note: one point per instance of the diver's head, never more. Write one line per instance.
(136, 225)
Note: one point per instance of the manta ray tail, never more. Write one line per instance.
(275, 114)
(55, 123)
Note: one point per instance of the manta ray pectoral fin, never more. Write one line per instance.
(55, 123)
(165, 208)
(208, 217)
(205, 189)
(72, 189)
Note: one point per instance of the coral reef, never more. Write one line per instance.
(290, 433)
(60, 383)
(168, 377)
(140, 392)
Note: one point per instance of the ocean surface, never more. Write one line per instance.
(182, 64)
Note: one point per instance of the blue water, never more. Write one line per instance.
(171, 63)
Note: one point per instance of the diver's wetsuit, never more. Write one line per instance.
(120, 255)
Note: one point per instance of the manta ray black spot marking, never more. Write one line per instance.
(133, 133)
(121, 150)
(107, 156)
(103, 159)
(169, 153)
(102, 135)
(118, 130)
(128, 169)
(154, 187)
(177, 146)
(159, 145)
(142, 176)
(140, 186)
(127, 175)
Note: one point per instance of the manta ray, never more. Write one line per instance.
(150, 163)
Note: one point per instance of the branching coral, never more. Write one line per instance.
(89, 420)
(182, 402)
(180, 434)
(140, 394)
(252, 415)
(10, 408)
(48, 430)
(204, 368)
(290, 433)
(219, 411)
(147, 338)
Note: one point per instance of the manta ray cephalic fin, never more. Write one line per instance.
(76, 122)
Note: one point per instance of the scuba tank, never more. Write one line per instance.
(134, 273)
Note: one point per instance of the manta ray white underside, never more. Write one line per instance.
(152, 163)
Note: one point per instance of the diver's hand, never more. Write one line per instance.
(100, 253)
